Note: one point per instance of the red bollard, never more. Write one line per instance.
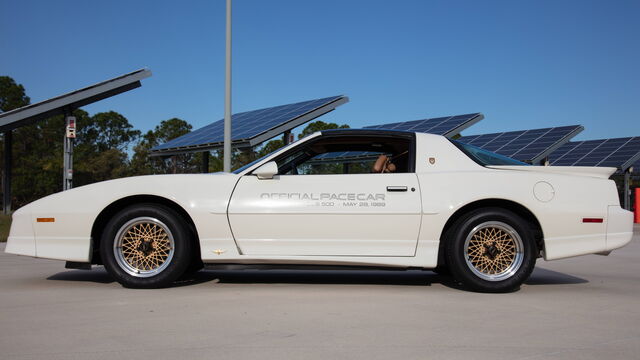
(637, 210)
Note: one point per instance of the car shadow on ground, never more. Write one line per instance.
(97, 275)
(346, 277)
(540, 276)
(252, 276)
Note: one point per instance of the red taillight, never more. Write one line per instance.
(592, 220)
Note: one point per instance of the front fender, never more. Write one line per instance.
(72, 213)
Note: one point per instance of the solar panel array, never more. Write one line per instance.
(526, 145)
(448, 126)
(250, 128)
(618, 152)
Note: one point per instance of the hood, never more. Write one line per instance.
(174, 186)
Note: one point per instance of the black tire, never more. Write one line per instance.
(156, 246)
(491, 250)
(442, 270)
(194, 267)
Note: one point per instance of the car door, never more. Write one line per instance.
(372, 214)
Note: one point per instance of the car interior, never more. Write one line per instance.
(349, 155)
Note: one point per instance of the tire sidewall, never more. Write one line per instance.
(182, 245)
(456, 258)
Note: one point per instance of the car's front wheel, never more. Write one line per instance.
(146, 246)
(491, 250)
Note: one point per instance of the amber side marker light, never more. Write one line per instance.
(46, 219)
(592, 220)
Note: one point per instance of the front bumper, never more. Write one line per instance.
(21, 239)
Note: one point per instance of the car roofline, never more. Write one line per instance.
(365, 132)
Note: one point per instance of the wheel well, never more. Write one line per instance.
(512, 206)
(107, 213)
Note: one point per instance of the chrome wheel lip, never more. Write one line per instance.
(118, 249)
(517, 242)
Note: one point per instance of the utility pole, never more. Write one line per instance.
(227, 97)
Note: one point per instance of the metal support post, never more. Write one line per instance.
(69, 136)
(286, 136)
(627, 191)
(6, 181)
(226, 162)
(544, 162)
(205, 162)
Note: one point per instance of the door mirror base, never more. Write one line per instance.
(266, 171)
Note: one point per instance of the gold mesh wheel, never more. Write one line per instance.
(493, 250)
(144, 247)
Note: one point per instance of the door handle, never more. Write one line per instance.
(396, 188)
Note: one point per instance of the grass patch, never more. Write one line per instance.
(5, 225)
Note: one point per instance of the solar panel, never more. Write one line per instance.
(448, 126)
(526, 145)
(344, 156)
(58, 105)
(252, 127)
(618, 152)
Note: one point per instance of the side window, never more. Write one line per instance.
(340, 162)
(348, 155)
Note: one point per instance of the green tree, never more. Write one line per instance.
(143, 164)
(319, 126)
(99, 153)
(270, 147)
(107, 130)
(100, 148)
(12, 95)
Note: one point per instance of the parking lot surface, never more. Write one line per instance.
(581, 308)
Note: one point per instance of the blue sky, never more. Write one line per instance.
(523, 64)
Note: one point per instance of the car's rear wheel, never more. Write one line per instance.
(491, 250)
(146, 246)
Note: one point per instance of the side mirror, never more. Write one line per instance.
(266, 171)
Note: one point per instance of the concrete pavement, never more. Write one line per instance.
(581, 308)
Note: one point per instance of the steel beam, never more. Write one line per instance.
(627, 191)
(205, 162)
(6, 180)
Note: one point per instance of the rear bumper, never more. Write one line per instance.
(619, 227)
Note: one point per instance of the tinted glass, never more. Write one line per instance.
(484, 157)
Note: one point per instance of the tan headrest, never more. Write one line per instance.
(383, 164)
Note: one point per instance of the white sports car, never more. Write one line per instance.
(342, 197)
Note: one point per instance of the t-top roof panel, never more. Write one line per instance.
(252, 127)
(58, 105)
(617, 152)
(448, 126)
(525, 145)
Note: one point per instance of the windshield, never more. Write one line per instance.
(485, 157)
